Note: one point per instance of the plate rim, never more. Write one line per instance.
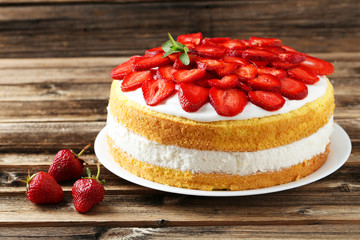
(101, 149)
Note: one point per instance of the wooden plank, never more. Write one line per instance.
(99, 30)
(177, 210)
(343, 180)
(326, 231)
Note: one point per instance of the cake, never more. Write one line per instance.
(221, 113)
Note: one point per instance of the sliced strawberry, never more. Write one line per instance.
(279, 73)
(135, 80)
(265, 42)
(174, 56)
(204, 82)
(215, 40)
(210, 64)
(234, 52)
(240, 61)
(147, 63)
(210, 50)
(265, 82)
(269, 101)
(192, 97)
(154, 51)
(317, 66)
(304, 75)
(155, 91)
(188, 75)
(120, 71)
(226, 69)
(293, 57)
(259, 63)
(246, 43)
(276, 50)
(228, 102)
(194, 38)
(258, 54)
(282, 65)
(180, 65)
(227, 82)
(234, 44)
(246, 73)
(293, 89)
(244, 87)
(165, 72)
(153, 72)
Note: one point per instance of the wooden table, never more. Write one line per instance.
(54, 87)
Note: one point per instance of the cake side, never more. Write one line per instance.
(251, 135)
(216, 181)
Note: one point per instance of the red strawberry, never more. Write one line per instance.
(293, 89)
(282, 65)
(146, 63)
(246, 73)
(165, 72)
(243, 87)
(276, 50)
(210, 64)
(42, 188)
(192, 97)
(210, 50)
(179, 65)
(240, 61)
(303, 75)
(228, 102)
(120, 71)
(227, 82)
(259, 63)
(134, 80)
(188, 75)
(269, 101)
(174, 56)
(279, 73)
(67, 165)
(88, 192)
(153, 52)
(265, 82)
(204, 82)
(234, 44)
(215, 40)
(258, 54)
(194, 38)
(226, 69)
(155, 91)
(317, 66)
(292, 57)
(265, 42)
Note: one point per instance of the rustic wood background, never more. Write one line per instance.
(55, 61)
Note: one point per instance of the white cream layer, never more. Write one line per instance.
(241, 163)
(208, 114)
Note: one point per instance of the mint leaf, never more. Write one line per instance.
(184, 58)
(167, 46)
(172, 46)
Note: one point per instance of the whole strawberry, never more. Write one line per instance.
(88, 192)
(43, 189)
(67, 165)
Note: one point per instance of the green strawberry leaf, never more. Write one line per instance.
(172, 46)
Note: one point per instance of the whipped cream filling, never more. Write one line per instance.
(199, 161)
(207, 113)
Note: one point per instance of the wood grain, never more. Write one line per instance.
(42, 29)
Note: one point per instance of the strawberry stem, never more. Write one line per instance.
(83, 150)
(88, 172)
(98, 172)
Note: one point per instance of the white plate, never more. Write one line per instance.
(340, 149)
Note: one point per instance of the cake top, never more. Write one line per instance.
(227, 72)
